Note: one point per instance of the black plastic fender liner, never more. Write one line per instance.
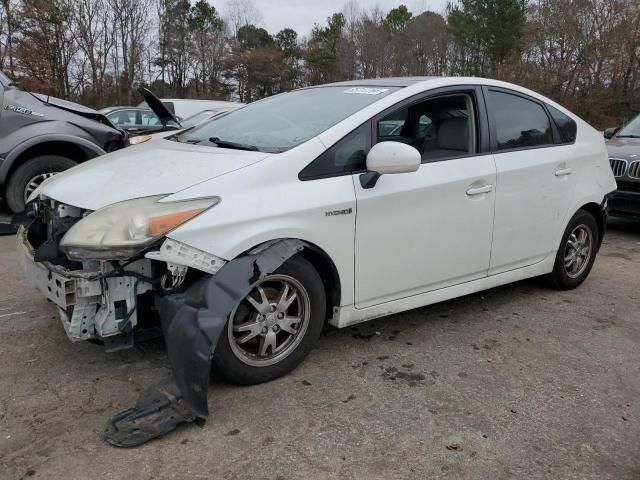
(158, 411)
(192, 323)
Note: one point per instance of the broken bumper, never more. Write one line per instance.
(89, 305)
(192, 323)
(98, 302)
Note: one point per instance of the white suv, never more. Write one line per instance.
(341, 202)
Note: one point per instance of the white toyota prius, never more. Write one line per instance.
(341, 203)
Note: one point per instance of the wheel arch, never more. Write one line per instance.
(74, 148)
(600, 217)
(325, 267)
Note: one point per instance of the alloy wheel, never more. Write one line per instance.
(35, 182)
(578, 251)
(270, 322)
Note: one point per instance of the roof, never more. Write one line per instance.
(382, 82)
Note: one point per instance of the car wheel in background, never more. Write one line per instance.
(30, 175)
(274, 328)
(577, 251)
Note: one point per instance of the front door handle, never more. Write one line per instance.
(479, 190)
(563, 171)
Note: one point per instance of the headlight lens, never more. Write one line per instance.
(139, 139)
(123, 229)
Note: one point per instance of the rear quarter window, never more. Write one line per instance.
(567, 128)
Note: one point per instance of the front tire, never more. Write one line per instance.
(275, 327)
(30, 175)
(577, 252)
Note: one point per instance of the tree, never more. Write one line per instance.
(398, 18)
(45, 46)
(583, 53)
(429, 45)
(255, 64)
(242, 13)
(487, 33)
(131, 22)
(374, 51)
(287, 42)
(9, 23)
(207, 29)
(587, 61)
(324, 48)
(92, 30)
(180, 47)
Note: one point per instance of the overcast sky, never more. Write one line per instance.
(302, 14)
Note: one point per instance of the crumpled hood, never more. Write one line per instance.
(156, 167)
(74, 108)
(624, 148)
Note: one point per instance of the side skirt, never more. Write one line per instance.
(348, 315)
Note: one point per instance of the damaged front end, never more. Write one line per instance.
(114, 300)
(192, 322)
(103, 270)
(96, 300)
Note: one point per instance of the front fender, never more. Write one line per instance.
(266, 205)
(5, 167)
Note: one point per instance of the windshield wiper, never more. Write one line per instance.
(627, 136)
(236, 146)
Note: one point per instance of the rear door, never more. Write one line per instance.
(535, 183)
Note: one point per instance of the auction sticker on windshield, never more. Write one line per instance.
(366, 90)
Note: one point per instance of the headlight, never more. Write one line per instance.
(139, 139)
(121, 230)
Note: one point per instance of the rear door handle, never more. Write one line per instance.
(563, 171)
(479, 190)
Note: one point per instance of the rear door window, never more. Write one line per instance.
(519, 122)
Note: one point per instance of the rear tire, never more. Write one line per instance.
(576, 253)
(28, 175)
(242, 361)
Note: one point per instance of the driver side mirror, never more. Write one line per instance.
(610, 132)
(387, 158)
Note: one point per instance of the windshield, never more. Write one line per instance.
(632, 129)
(197, 118)
(283, 121)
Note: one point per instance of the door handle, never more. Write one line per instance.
(563, 171)
(479, 190)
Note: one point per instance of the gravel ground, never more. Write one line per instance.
(519, 382)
